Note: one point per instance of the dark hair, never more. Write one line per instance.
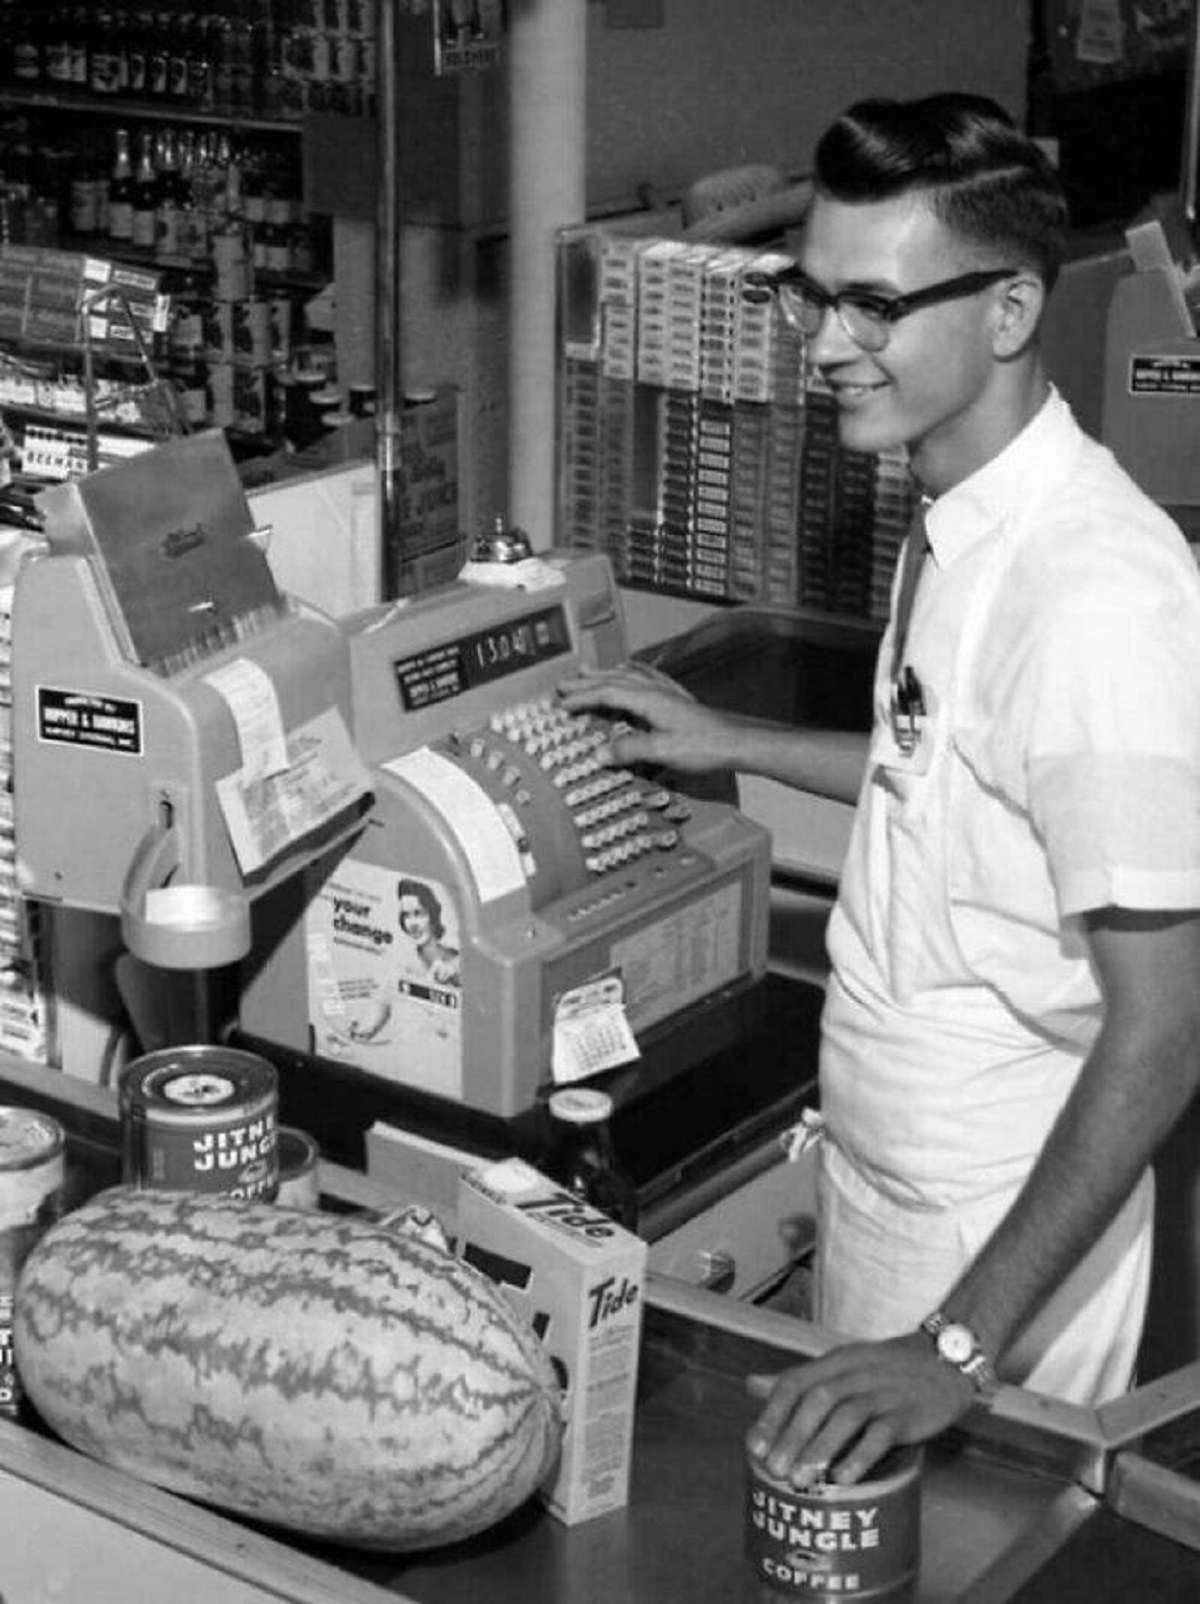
(983, 178)
(419, 890)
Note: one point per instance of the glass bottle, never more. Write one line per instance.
(220, 56)
(56, 49)
(86, 190)
(242, 87)
(122, 28)
(10, 21)
(104, 66)
(178, 52)
(80, 36)
(199, 68)
(169, 202)
(582, 1157)
(193, 224)
(120, 191)
(145, 194)
(158, 55)
(28, 60)
(137, 54)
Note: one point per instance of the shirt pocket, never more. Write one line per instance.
(915, 931)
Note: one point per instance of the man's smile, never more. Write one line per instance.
(845, 391)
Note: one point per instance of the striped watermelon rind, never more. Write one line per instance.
(315, 1372)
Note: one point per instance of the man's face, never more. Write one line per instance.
(930, 387)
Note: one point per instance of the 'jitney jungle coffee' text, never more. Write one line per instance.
(858, 1541)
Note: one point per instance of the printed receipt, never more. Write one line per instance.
(267, 812)
(487, 844)
(249, 693)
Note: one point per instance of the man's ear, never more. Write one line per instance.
(1018, 310)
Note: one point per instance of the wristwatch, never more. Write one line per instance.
(958, 1345)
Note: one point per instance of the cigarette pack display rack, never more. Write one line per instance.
(696, 446)
(79, 385)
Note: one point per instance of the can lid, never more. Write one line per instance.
(579, 1105)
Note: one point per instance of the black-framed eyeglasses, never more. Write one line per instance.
(866, 317)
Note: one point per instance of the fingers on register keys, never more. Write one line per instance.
(643, 693)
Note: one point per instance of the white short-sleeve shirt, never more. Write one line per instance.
(1056, 633)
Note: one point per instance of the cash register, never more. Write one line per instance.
(181, 729)
(517, 908)
(427, 871)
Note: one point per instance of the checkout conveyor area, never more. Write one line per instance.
(1034, 1502)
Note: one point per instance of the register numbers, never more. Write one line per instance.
(507, 875)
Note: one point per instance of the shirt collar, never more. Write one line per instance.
(961, 517)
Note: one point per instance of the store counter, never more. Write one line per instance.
(1033, 1502)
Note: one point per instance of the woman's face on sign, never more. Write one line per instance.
(414, 919)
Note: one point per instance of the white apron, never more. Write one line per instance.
(936, 1114)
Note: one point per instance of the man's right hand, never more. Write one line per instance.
(679, 732)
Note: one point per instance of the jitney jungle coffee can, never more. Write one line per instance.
(32, 1168)
(860, 1541)
(201, 1119)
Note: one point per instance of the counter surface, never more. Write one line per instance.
(1014, 1506)
(682, 1535)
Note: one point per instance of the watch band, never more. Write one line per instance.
(958, 1345)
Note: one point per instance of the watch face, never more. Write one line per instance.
(956, 1344)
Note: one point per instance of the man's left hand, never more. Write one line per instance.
(834, 1418)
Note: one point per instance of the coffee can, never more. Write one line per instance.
(860, 1540)
(32, 1172)
(201, 1119)
(232, 266)
(252, 331)
(361, 399)
(299, 1177)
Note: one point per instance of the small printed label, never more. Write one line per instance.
(76, 718)
(1164, 375)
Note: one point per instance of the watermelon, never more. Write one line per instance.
(316, 1372)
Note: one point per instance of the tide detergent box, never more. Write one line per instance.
(577, 1277)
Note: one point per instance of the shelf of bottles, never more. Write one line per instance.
(246, 60)
(217, 212)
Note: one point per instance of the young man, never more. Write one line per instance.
(1013, 1017)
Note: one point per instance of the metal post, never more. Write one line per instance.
(1189, 166)
(547, 122)
(389, 390)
